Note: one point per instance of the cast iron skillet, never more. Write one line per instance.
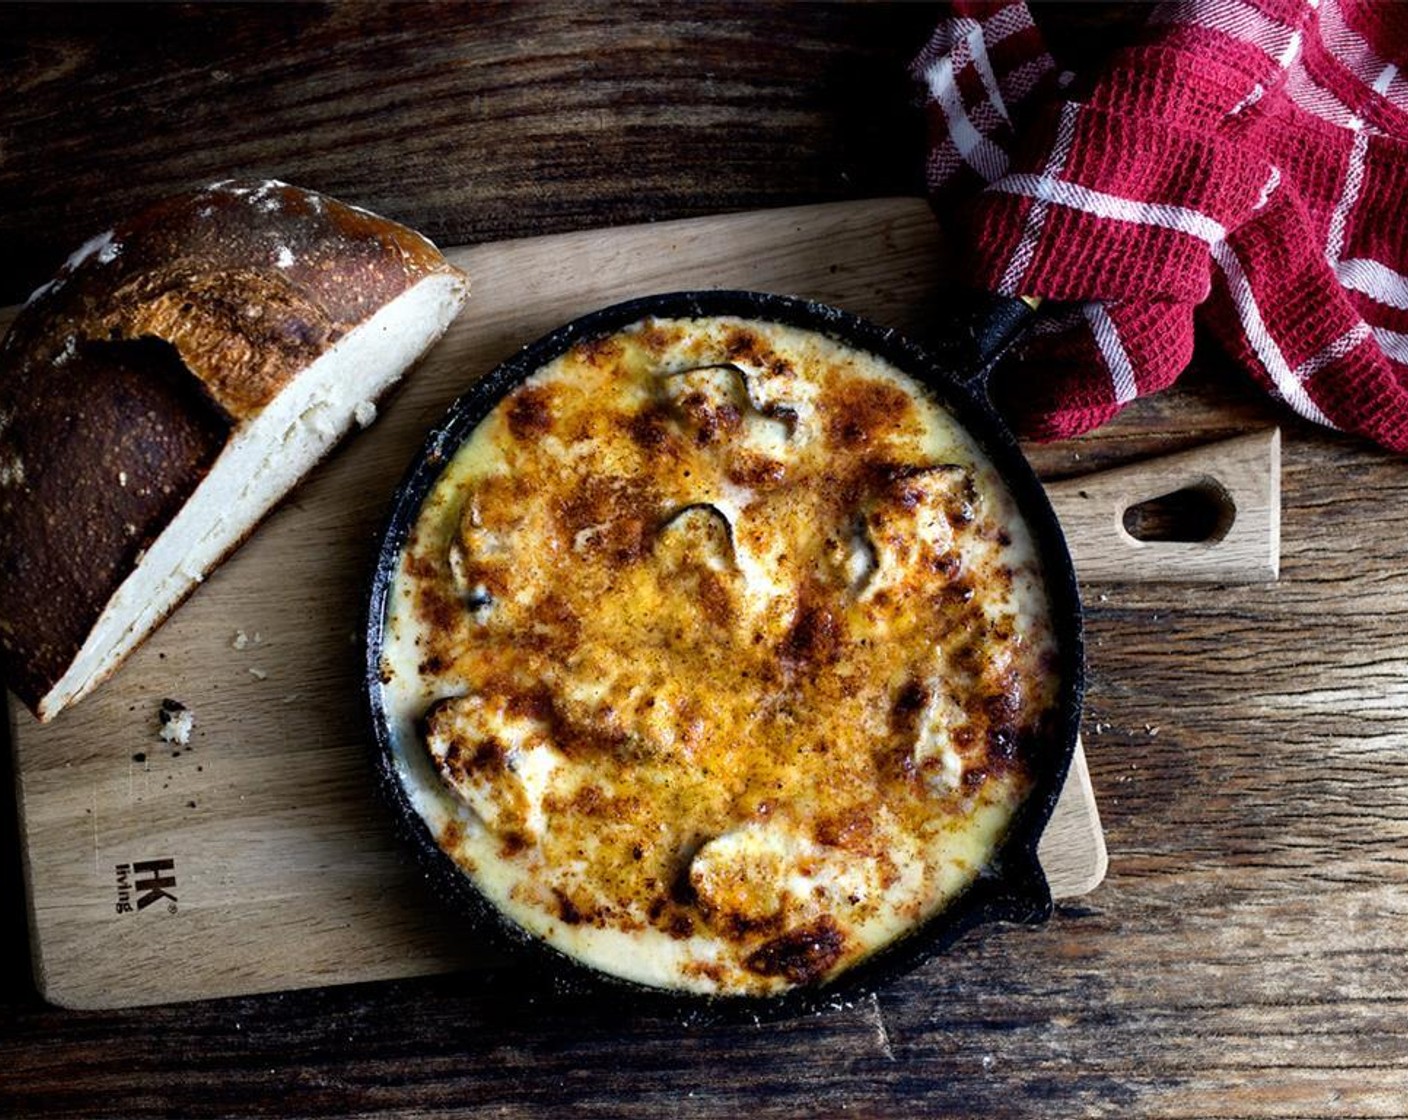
(1013, 887)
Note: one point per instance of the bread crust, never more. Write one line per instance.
(124, 377)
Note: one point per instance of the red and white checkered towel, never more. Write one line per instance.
(1245, 164)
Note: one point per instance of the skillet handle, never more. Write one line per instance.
(1239, 477)
(986, 327)
(1015, 889)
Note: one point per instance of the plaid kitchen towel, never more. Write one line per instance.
(1245, 163)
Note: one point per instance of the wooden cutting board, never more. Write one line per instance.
(258, 858)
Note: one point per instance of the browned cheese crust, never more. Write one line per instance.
(122, 379)
(589, 595)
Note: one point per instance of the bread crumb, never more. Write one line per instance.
(258, 674)
(365, 412)
(12, 471)
(122, 478)
(284, 257)
(176, 722)
(241, 640)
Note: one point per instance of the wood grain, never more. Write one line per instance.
(1244, 957)
(510, 119)
(268, 816)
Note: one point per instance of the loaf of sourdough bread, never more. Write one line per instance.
(175, 379)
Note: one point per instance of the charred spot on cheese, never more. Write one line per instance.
(802, 955)
(725, 653)
(814, 638)
(860, 412)
(530, 413)
(852, 828)
(710, 401)
(649, 427)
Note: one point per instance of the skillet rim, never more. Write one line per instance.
(1011, 888)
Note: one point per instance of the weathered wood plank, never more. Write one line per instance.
(509, 119)
(1245, 955)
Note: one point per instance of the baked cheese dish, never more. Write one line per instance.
(718, 655)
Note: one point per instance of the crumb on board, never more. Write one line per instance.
(176, 722)
(365, 412)
(258, 674)
(242, 641)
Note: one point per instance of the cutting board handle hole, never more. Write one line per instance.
(1201, 513)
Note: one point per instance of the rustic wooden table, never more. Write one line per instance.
(1245, 956)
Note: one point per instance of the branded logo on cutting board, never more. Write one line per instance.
(144, 882)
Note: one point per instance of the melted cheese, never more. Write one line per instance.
(716, 656)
